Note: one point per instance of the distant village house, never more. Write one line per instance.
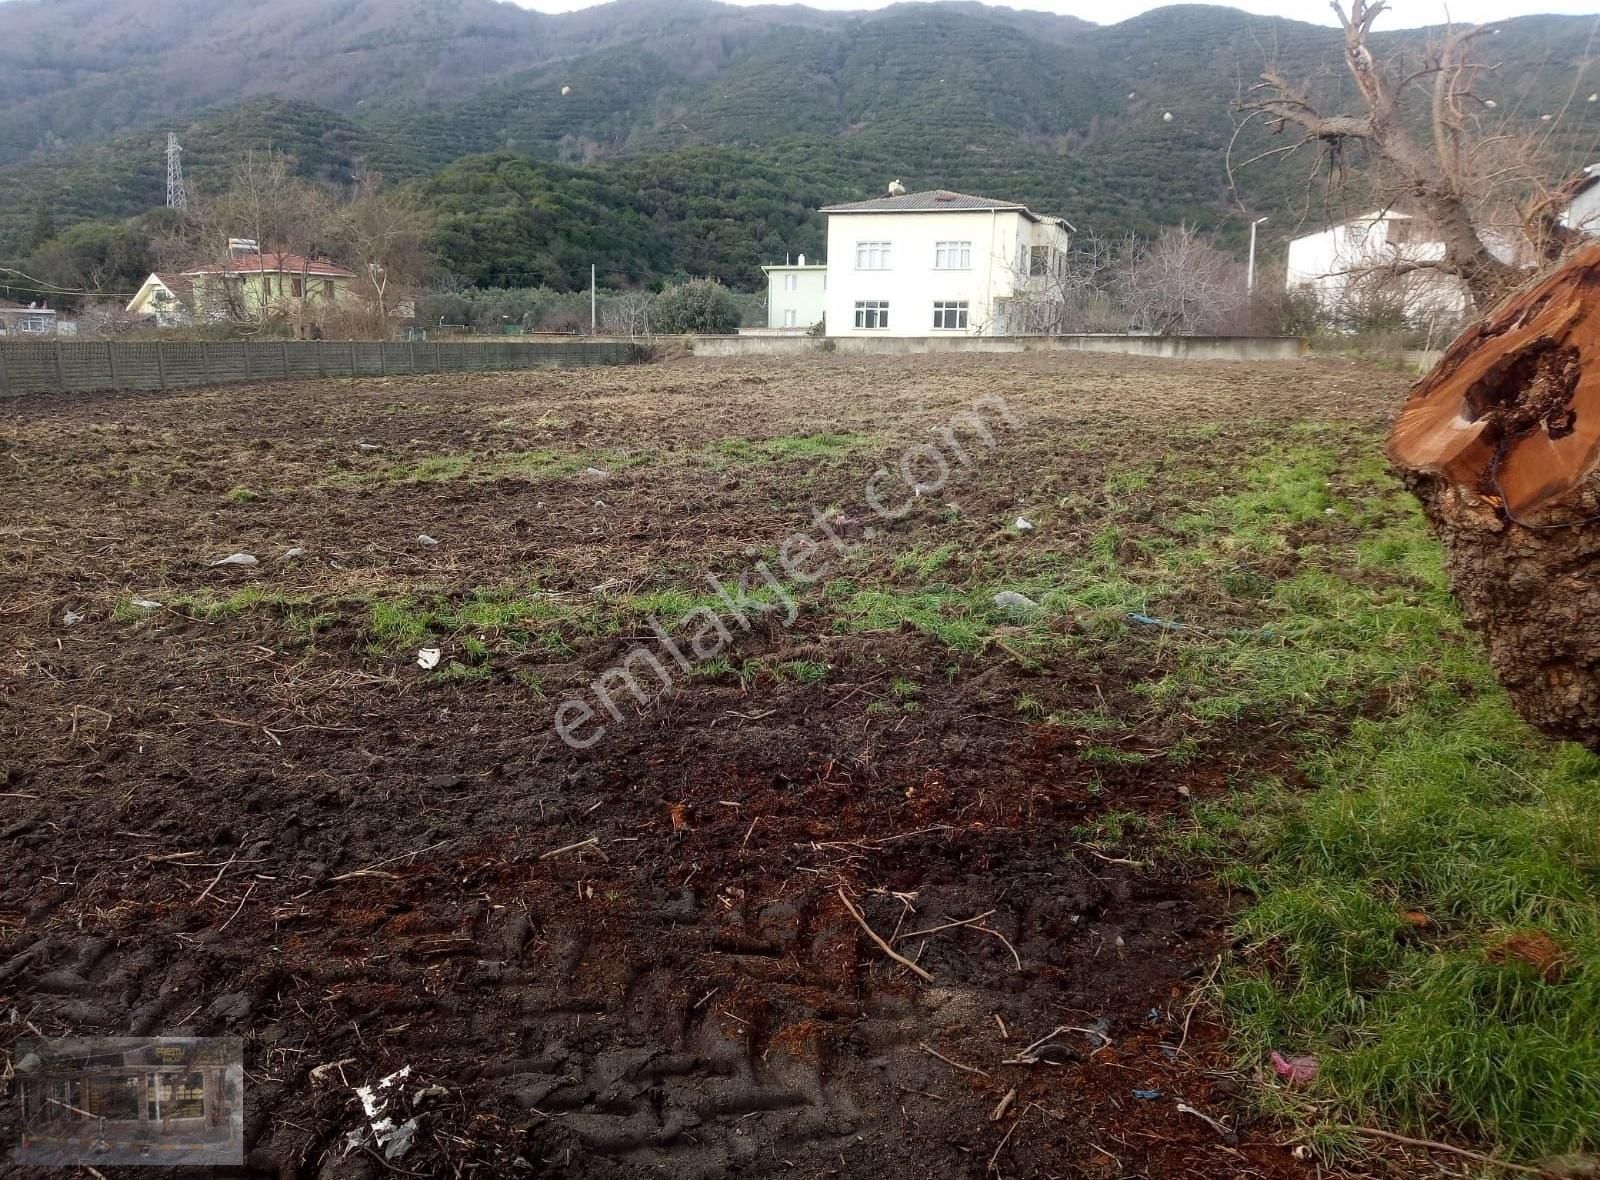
(30, 322)
(1384, 259)
(165, 299)
(247, 285)
(796, 295)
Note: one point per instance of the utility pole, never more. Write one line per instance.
(593, 321)
(1250, 272)
(177, 194)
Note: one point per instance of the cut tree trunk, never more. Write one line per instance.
(1501, 442)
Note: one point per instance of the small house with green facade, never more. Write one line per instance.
(251, 285)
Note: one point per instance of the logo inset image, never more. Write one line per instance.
(162, 1101)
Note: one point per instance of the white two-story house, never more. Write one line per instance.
(939, 264)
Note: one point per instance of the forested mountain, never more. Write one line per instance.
(668, 136)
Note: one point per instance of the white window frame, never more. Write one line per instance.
(873, 255)
(872, 315)
(951, 315)
(952, 255)
(791, 318)
(791, 282)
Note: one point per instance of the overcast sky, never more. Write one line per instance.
(1405, 12)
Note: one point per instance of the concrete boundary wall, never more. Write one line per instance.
(1207, 348)
(63, 367)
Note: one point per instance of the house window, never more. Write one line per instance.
(299, 286)
(1038, 261)
(872, 313)
(37, 324)
(790, 319)
(952, 256)
(327, 290)
(950, 317)
(872, 255)
(791, 282)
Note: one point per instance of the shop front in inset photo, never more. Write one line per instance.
(126, 1099)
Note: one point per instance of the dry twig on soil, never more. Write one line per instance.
(932, 1052)
(1435, 1145)
(592, 841)
(883, 946)
(368, 871)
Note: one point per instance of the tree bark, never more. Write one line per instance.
(1501, 442)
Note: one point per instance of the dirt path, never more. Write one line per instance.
(256, 818)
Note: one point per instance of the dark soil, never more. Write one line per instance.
(213, 827)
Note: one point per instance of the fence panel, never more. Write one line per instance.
(138, 366)
(84, 366)
(62, 366)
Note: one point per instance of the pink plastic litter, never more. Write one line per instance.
(1294, 1070)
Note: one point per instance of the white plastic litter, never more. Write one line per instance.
(394, 1138)
(144, 603)
(236, 559)
(291, 554)
(596, 473)
(1023, 524)
(368, 447)
(566, 90)
(428, 658)
(424, 539)
(1167, 118)
(71, 617)
(1011, 600)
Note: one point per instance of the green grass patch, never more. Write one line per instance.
(1434, 825)
(803, 671)
(1455, 813)
(959, 619)
(776, 450)
(924, 563)
(504, 619)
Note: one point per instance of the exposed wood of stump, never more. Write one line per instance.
(1501, 442)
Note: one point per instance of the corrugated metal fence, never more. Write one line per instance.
(61, 367)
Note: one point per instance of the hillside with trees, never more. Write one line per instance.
(659, 139)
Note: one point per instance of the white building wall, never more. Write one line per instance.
(912, 284)
(1326, 262)
(796, 295)
(1584, 212)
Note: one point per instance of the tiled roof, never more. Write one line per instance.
(941, 201)
(181, 286)
(289, 264)
(937, 201)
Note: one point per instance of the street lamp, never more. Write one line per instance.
(1250, 273)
